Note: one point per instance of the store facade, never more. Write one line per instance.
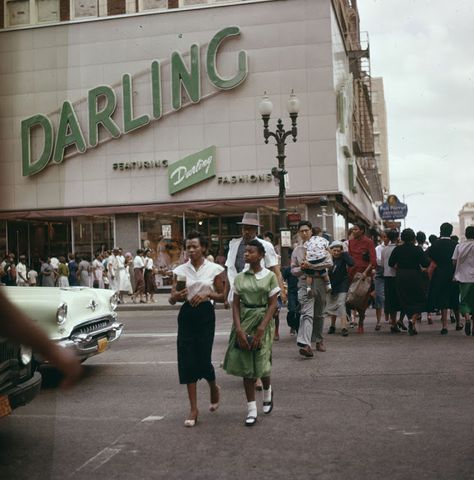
(132, 130)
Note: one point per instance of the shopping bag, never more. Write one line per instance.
(358, 291)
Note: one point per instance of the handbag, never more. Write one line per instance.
(359, 290)
(249, 341)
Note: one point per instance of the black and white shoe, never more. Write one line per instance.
(268, 406)
(250, 420)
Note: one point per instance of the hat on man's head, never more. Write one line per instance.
(249, 219)
(336, 243)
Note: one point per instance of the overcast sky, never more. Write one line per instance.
(424, 50)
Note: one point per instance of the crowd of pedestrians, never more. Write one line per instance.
(132, 277)
(401, 275)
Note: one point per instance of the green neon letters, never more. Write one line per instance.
(102, 105)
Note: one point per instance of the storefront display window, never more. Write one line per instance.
(92, 234)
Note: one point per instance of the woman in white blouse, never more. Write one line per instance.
(196, 320)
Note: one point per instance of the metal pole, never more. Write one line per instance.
(282, 199)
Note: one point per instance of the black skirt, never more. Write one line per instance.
(196, 328)
(391, 303)
(412, 291)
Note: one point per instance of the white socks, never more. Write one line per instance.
(267, 394)
(252, 409)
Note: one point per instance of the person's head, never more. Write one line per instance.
(148, 252)
(62, 259)
(317, 231)
(139, 252)
(383, 238)
(268, 236)
(469, 232)
(408, 236)
(433, 239)
(196, 245)
(250, 226)
(358, 230)
(23, 258)
(420, 238)
(455, 238)
(254, 252)
(349, 233)
(336, 248)
(393, 236)
(445, 230)
(115, 251)
(305, 230)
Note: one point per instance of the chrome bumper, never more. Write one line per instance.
(84, 345)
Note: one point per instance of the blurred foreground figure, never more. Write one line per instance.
(16, 326)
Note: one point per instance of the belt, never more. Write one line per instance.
(250, 305)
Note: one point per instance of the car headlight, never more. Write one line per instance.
(61, 314)
(25, 354)
(114, 301)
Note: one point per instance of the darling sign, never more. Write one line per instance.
(102, 103)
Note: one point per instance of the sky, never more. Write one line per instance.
(424, 50)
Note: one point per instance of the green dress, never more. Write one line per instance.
(254, 291)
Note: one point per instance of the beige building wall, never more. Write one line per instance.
(381, 132)
(466, 217)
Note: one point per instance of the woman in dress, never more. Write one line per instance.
(150, 285)
(83, 273)
(72, 266)
(139, 276)
(97, 271)
(409, 260)
(63, 273)
(249, 354)
(197, 321)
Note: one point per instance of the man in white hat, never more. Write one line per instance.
(235, 262)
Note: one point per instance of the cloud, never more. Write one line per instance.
(424, 50)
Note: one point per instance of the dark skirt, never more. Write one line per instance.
(139, 280)
(444, 293)
(150, 285)
(392, 303)
(412, 292)
(196, 327)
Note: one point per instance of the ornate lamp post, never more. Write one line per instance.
(279, 172)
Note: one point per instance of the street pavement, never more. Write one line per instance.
(372, 406)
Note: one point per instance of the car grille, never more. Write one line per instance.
(91, 327)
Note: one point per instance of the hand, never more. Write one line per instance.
(305, 264)
(242, 340)
(199, 298)
(257, 339)
(68, 364)
(284, 296)
(181, 295)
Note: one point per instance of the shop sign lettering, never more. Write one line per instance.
(102, 103)
(233, 179)
(192, 169)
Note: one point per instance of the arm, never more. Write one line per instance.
(348, 259)
(276, 270)
(226, 292)
(392, 261)
(295, 265)
(272, 306)
(219, 294)
(15, 325)
(241, 335)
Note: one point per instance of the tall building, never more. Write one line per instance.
(130, 123)
(466, 217)
(380, 132)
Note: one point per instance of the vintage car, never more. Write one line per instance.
(19, 383)
(80, 319)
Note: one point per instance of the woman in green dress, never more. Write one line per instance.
(249, 354)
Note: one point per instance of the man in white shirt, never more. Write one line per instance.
(235, 262)
(21, 272)
(379, 299)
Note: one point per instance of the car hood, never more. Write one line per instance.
(41, 304)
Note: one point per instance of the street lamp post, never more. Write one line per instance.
(280, 136)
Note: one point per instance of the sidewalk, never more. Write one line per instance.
(161, 303)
